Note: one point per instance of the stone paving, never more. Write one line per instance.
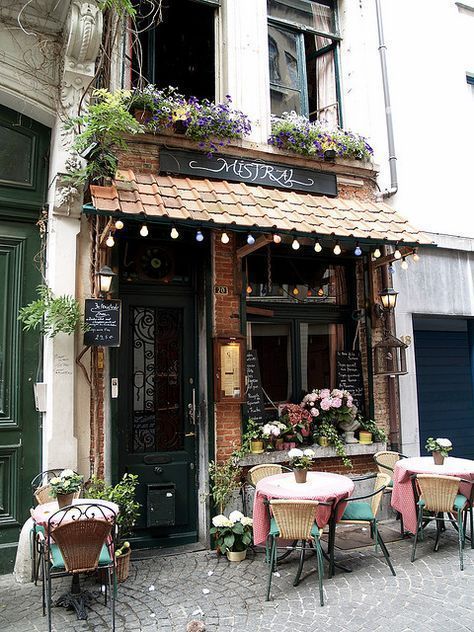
(165, 593)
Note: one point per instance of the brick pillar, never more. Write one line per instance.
(226, 321)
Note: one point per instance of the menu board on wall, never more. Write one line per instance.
(102, 317)
(349, 376)
(254, 396)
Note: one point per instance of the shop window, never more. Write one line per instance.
(302, 44)
(273, 346)
(180, 51)
(16, 143)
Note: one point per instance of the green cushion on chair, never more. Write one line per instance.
(274, 531)
(358, 511)
(58, 562)
(459, 502)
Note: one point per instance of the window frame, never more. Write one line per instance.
(301, 30)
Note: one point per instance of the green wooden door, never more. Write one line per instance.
(19, 359)
(157, 399)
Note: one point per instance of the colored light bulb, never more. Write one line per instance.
(199, 236)
(119, 224)
(276, 239)
(250, 239)
(358, 251)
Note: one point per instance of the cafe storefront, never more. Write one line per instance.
(251, 259)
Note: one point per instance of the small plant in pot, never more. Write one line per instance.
(301, 461)
(369, 431)
(440, 449)
(272, 432)
(329, 431)
(254, 436)
(232, 534)
(66, 487)
(123, 494)
(298, 421)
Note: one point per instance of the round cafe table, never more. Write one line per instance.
(322, 486)
(42, 513)
(403, 499)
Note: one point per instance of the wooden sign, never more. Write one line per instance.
(349, 376)
(269, 174)
(102, 317)
(254, 397)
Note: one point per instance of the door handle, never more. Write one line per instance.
(190, 434)
(192, 408)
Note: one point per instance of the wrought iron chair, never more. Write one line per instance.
(439, 495)
(79, 539)
(385, 461)
(364, 513)
(295, 520)
(41, 492)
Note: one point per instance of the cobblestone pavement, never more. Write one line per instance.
(429, 595)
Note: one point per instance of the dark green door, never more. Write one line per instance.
(157, 402)
(19, 421)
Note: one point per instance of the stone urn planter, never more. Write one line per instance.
(300, 475)
(438, 458)
(236, 556)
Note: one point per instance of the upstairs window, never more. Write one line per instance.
(302, 46)
(180, 51)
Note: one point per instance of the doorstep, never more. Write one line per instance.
(281, 456)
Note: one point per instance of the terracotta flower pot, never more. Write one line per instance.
(438, 458)
(300, 475)
(143, 116)
(65, 499)
(279, 444)
(236, 556)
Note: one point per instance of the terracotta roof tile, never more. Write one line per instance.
(230, 203)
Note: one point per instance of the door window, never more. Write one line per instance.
(157, 420)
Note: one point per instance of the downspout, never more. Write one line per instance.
(392, 159)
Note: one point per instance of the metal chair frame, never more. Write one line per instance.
(374, 532)
(302, 505)
(384, 468)
(438, 513)
(60, 521)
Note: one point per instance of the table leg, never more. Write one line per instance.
(76, 599)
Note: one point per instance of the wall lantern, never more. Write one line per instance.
(390, 356)
(105, 276)
(388, 298)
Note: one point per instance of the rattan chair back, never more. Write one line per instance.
(381, 480)
(438, 492)
(294, 518)
(256, 473)
(386, 460)
(80, 531)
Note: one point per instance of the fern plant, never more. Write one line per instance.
(51, 315)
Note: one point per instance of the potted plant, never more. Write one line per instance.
(123, 494)
(301, 461)
(233, 535)
(328, 430)
(370, 431)
(439, 448)
(273, 431)
(65, 487)
(225, 479)
(142, 103)
(53, 315)
(298, 421)
(254, 436)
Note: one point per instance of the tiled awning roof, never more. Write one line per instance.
(220, 203)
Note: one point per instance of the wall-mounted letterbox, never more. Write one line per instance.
(161, 505)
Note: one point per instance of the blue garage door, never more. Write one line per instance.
(445, 394)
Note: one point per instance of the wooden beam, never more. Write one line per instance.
(259, 243)
(260, 311)
(406, 251)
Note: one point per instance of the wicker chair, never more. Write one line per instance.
(41, 492)
(79, 538)
(364, 513)
(385, 461)
(256, 473)
(295, 520)
(439, 495)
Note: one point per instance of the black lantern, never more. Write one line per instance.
(390, 356)
(388, 298)
(105, 276)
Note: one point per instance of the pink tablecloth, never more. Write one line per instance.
(321, 486)
(402, 495)
(42, 513)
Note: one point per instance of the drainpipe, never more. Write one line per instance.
(392, 159)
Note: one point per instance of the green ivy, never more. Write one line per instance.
(328, 430)
(52, 315)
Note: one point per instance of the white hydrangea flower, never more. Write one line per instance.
(55, 480)
(444, 443)
(309, 452)
(295, 452)
(236, 516)
(220, 521)
(247, 522)
(66, 474)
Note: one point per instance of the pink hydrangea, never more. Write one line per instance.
(324, 394)
(325, 403)
(336, 402)
(337, 393)
(314, 412)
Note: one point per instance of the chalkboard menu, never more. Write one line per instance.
(102, 317)
(349, 376)
(254, 397)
